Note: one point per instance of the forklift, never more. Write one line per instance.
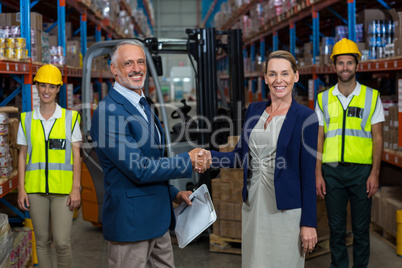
(202, 46)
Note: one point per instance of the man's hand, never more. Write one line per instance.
(320, 186)
(200, 159)
(183, 196)
(308, 237)
(372, 185)
(205, 159)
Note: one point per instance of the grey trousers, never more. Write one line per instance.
(51, 220)
(152, 253)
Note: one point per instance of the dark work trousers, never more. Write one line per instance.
(343, 183)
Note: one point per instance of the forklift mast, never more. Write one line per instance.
(203, 46)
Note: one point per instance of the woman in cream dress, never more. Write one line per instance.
(278, 149)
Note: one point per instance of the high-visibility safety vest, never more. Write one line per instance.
(348, 137)
(49, 165)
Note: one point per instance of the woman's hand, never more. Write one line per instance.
(74, 199)
(23, 202)
(308, 237)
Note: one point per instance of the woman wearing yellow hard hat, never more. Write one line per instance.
(49, 169)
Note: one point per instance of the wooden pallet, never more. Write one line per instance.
(224, 244)
(383, 235)
(233, 246)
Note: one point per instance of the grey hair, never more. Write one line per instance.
(113, 52)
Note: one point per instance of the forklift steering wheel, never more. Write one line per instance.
(184, 110)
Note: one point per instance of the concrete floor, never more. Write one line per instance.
(90, 251)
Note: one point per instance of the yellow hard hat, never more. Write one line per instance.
(48, 74)
(345, 46)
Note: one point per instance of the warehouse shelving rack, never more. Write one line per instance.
(23, 70)
(28, 68)
(287, 21)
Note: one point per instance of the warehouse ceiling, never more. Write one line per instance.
(173, 17)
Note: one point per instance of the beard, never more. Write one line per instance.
(124, 81)
(347, 79)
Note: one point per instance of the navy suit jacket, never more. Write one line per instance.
(296, 151)
(138, 198)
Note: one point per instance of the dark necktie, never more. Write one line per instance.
(148, 112)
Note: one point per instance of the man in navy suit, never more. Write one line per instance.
(129, 142)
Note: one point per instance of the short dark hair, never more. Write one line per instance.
(350, 54)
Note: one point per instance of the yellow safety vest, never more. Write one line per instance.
(49, 165)
(348, 137)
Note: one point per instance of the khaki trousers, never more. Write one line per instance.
(152, 253)
(51, 220)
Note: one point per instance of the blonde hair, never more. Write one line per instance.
(282, 54)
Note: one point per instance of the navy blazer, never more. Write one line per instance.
(296, 152)
(138, 198)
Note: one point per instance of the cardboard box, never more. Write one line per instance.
(225, 191)
(53, 41)
(397, 17)
(224, 148)
(227, 211)
(375, 208)
(392, 206)
(398, 46)
(238, 229)
(237, 211)
(216, 227)
(216, 189)
(14, 19)
(13, 125)
(368, 15)
(230, 229)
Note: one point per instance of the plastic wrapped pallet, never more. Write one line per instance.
(22, 247)
(6, 241)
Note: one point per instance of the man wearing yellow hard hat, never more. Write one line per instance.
(350, 140)
(49, 169)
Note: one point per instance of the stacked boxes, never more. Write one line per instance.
(73, 53)
(22, 247)
(393, 128)
(391, 123)
(386, 202)
(5, 157)
(10, 23)
(227, 197)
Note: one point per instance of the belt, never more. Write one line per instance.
(344, 164)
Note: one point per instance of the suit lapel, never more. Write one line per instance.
(286, 132)
(255, 116)
(130, 108)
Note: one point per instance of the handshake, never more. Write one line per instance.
(200, 159)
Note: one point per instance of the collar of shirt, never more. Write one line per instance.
(38, 116)
(355, 91)
(130, 95)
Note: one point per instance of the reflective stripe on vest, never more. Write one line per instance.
(348, 140)
(49, 170)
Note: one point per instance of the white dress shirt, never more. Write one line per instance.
(378, 115)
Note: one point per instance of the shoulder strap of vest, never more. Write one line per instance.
(26, 122)
(76, 119)
(373, 92)
(323, 100)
